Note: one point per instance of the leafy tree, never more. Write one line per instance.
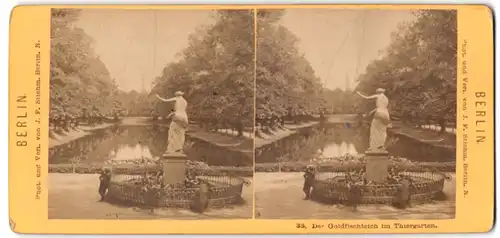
(135, 103)
(339, 101)
(216, 72)
(81, 85)
(286, 82)
(419, 68)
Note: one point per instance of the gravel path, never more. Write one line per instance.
(278, 196)
(74, 196)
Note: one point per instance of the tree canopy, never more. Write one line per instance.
(215, 71)
(80, 83)
(419, 68)
(286, 83)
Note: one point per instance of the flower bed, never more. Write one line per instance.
(136, 167)
(344, 163)
(300, 167)
(348, 163)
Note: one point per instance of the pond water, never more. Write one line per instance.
(132, 142)
(321, 141)
(333, 140)
(328, 140)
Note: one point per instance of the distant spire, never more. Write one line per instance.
(347, 83)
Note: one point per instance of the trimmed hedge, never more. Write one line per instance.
(140, 169)
(298, 166)
(335, 166)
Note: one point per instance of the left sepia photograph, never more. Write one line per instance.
(151, 114)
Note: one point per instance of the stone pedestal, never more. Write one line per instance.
(174, 168)
(377, 165)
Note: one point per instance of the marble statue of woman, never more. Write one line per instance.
(179, 124)
(381, 120)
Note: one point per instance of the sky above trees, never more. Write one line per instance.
(135, 45)
(213, 62)
(323, 33)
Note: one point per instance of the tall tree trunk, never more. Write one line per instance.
(442, 124)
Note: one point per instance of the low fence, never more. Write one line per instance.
(332, 187)
(221, 191)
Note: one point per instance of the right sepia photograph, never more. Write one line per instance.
(355, 114)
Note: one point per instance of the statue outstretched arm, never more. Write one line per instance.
(166, 100)
(170, 115)
(367, 97)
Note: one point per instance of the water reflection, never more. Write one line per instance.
(333, 140)
(335, 149)
(132, 142)
(322, 141)
(131, 152)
